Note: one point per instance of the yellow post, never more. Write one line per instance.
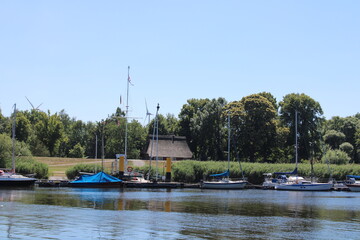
(121, 165)
(168, 170)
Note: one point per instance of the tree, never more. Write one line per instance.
(23, 127)
(347, 147)
(254, 121)
(187, 113)
(50, 131)
(168, 125)
(309, 122)
(349, 126)
(77, 151)
(334, 138)
(21, 149)
(208, 130)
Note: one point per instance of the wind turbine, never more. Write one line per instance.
(37, 108)
(148, 114)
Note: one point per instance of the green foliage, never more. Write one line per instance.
(347, 147)
(208, 130)
(50, 130)
(30, 166)
(195, 171)
(253, 119)
(21, 149)
(334, 138)
(77, 151)
(336, 157)
(309, 122)
(74, 171)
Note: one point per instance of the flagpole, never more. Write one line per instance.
(126, 113)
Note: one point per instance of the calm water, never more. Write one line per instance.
(66, 213)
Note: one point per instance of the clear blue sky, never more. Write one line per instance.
(74, 55)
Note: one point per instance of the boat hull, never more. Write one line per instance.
(17, 182)
(224, 185)
(305, 187)
(354, 187)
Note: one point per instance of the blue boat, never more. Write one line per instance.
(99, 180)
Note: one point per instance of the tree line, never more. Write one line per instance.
(262, 130)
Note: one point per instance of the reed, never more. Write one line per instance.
(190, 171)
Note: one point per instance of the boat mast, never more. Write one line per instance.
(229, 132)
(126, 113)
(153, 139)
(157, 141)
(296, 138)
(13, 140)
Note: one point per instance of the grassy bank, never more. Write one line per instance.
(191, 171)
(58, 166)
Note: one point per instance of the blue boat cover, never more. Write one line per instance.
(100, 177)
(224, 174)
(353, 176)
(287, 173)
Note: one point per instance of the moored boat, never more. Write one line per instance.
(99, 180)
(298, 183)
(9, 179)
(223, 179)
(353, 183)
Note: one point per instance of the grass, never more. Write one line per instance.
(58, 166)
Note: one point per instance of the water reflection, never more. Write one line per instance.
(177, 213)
(244, 203)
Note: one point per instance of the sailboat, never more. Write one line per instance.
(223, 179)
(297, 183)
(11, 179)
(353, 183)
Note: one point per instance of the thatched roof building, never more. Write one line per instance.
(171, 146)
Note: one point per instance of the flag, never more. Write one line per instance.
(129, 79)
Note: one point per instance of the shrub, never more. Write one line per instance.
(347, 147)
(74, 171)
(29, 166)
(336, 157)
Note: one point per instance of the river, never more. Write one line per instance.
(71, 213)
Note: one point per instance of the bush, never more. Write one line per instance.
(347, 147)
(336, 157)
(30, 166)
(74, 171)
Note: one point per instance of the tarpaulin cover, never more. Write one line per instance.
(224, 174)
(287, 173)
(97, 178)
(353, 176)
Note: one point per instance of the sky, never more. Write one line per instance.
(74, 55)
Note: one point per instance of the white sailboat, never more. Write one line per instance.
(353, 183)
(11, 179)
(297, 183)
(223, 179)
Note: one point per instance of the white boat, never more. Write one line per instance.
(223, 179)
(297, 183)
(353, 183)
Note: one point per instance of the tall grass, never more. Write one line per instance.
(27, 165)
(190, 171)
